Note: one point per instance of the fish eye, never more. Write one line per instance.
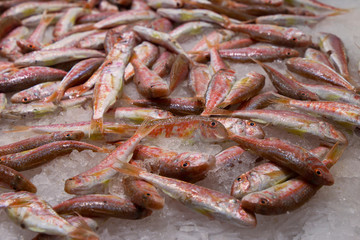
(252, 124)
(294, 39)
(25, 99)
(31, 46)
(68, 135)
(186, 164)
(239, 179)
(213, 124)
(288, 53)
(318, 172)
(264, 201)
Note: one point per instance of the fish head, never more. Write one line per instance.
(192, 167)
(246, 218)
(320, 173)
(242, 127)
(253, 130)
(258, 202)
(72, 135)
(331, 133)
(21, 97)
(289, 52)
(298, 38)
(241, 186)
(212, 130)
(307, 95)
(85, 184)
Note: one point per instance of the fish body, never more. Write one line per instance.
(199, 79)
(242, 127)
(8, 45)
(140, 114)
(229, 157)
(289, 20)
(11, 179)
(190, 29)
(67, 21)
(319, 56)
(162, 66)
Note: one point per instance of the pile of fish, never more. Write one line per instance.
(66, 54)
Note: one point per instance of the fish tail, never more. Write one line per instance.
(46, 19)
(96, 126)
(127, 169)
(56, 96)
(334, 154)
(83, 232)
(146, 127)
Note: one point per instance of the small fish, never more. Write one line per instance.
(261, 53)
(77, 75)
(242, 127)
(218, 88)
(297, 123)
(52, 57)
(162, 65)
(30, 76)
(111, 79)
(100, 205)
(318, 71)
(215, 205)
(35, 214)
(180, 106)
(186, 15)
(67, 21)
(146, 53)
(38, 141)
(334, 47)
(340, 112)
(288, 155)
(190, 29)
(148, 83)
(291, 37)
(286, 86)
(186, 166)
(35, 157)
(316, 55)
(11, 179)
(97, 177)
(140, 114)
(228, 157)
(125, 17)
(143, 194)
(243, 89)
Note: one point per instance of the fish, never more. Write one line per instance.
(37, 141)
(11, 179)
(8, 24)
(242, 127)
(244, 89)
(101, 205)
(162, 66)
(77, 75)
(55, 56)
(8, 46)
(289, 20)
(186, 166)
(35, 157)
(294, 122)
(286, 86)
(95, 17)
(260, 101)
(317, 71)
(228, 157)
(143, 194)
(111, 79)
(179, 71)
(218, 88)
(319, 56)
(184, 31)
(35, 214)
(97, 177)
(288, 155)
(215, 205)
(290, 37)
(165, 4)
(138, 115)
(94, 41)
(30, 76)
(275, 3)
(199, 77)
(33, 21)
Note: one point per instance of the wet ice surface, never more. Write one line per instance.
(333, 213)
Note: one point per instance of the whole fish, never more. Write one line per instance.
(340, 112)
(67, 21)
(143, 194)
(35, 157)
(297, 123)
(288, 155)
(146, 53)
(180, 106)
(35, 214)
(97, 177)
(140, 114)
(38, 141)
(186, 166)
(11, 179)
(286, 86)
(218, 88)
(148, 83)
(125, 17)
(100, 205)
(77, 75)
(52, 57)
(199, 79)
(291, 37)
(216, 62)
(162, 66)
(318, 71)
(30, 76)
(111, 80)
(289, 195)
(27, 9)
(242, 127)
(319, 56)
(261, 52)
(266, 175)
(215, 205)
(243, 89)
(229, 157)
(190, 29)
(332, 45)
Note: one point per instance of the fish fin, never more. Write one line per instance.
(146, 127)
(298, 132)
(96, 126)
(205, 212)
(45, 18)
(281, 100)
(334, 154)
(20, 203)
(81, 233)
(127, 99)
(18, 129)
(127, 169)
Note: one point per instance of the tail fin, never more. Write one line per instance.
(46, 19)
(146, 127)
(82, 233)
(127, 169)
(96, 127)
(334, 155)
